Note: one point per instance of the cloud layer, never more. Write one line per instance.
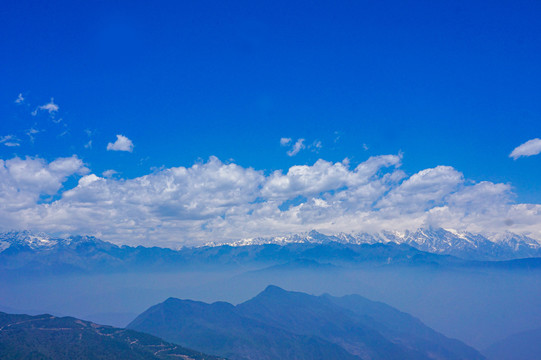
(215, 201)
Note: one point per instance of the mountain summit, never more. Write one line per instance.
(280, 324)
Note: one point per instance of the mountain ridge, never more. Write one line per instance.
(40, 253)
(47, 337)
(311, 327)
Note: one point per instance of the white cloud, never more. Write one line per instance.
(214, 201)
(20, 99)
(426, 189)
(88, 145)
(109, 173)
(22, 181)
(50, 107)
(529, 148)
(298, 146)
(122, 143)
(10, 140)
(285, 141)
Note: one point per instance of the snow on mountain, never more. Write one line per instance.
(38, 241)
(466, 245)
(27, 239)
(434, 240)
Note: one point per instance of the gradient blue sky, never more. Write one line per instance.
(443, 83)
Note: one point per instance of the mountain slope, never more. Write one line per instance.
(220, 329)
(522, 346)
(46, 337)
(278, 324)
(402, 327)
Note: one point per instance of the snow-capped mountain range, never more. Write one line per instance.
(39, 241)
(466, 245)
(469, 246)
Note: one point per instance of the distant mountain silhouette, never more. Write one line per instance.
(279, 324)
(525, 345)
(45, 337)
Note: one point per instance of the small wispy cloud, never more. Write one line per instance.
(298, 146)
(529, 148)
(316, 146)
(109, 173)
(122, 143)
(88, 145)
(285, 141)
(10, 140)
(31, 132)
(51, 107)
(20, 99)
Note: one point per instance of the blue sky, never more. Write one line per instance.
(454, 84)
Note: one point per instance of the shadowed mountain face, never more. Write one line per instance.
(46, 337)
(522, 346)
(278, 324)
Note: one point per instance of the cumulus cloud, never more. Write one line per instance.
(122, 143)
(423, 190)
(529, 148)
(215, 201)
(23, 181)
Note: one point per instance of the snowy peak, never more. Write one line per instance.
(27, 239)
(469, 246)
(38, 241)
(308, 237)
(434, 240)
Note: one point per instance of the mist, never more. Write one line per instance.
(478, 306)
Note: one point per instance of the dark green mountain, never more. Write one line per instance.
(46, 337)
(279, 324)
